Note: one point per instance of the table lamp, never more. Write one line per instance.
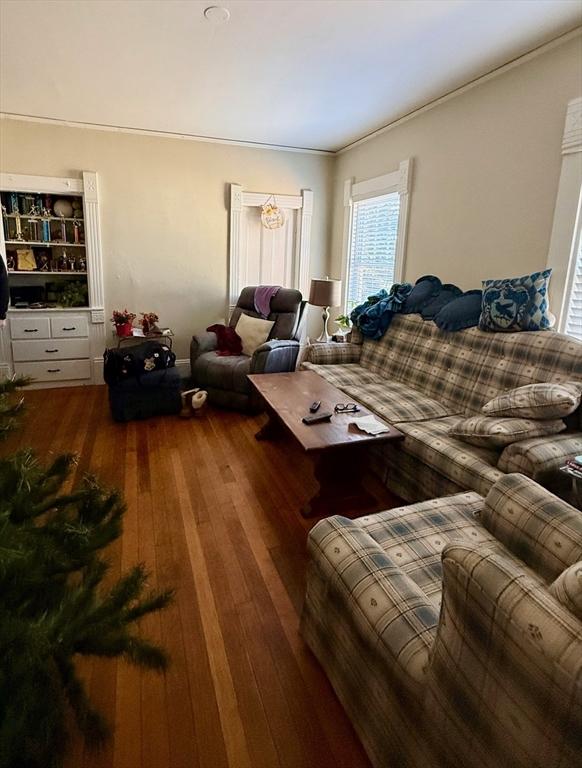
(326, 293)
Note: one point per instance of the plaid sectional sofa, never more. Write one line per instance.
(419, 378)
(450, 628)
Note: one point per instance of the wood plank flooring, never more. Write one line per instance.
(214, 514)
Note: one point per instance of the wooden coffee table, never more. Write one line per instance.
(338, 447)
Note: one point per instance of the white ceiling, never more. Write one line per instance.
(303, 73)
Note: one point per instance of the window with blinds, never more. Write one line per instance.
(573, 324)
(372, 251)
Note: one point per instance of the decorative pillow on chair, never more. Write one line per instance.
(424, 290)
(460, 313)
(253, 332)
(567, 589)
(537, 401)
(496, 431)
(516, 304)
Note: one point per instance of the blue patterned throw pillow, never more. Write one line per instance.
(516, 304)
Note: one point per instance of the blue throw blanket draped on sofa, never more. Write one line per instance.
(374, 316)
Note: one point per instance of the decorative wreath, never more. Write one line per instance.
(272, 217)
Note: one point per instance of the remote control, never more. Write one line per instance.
(314, 407)
(316, 418)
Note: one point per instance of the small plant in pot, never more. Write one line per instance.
(344, 325)
(149, 322)
(123, 321)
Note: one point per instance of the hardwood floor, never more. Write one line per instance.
(214, 514)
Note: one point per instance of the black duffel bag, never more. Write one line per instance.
(136, 361)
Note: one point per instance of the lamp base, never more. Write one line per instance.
(324, 336)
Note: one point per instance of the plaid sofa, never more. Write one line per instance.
(419, 377)
(442, 631)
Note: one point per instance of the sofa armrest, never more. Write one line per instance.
(332, 353)
(201, 343)
(540, 457)
(275, 356)
(389, 608)
(505, 668)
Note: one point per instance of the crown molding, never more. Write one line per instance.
(500, 70)
(162, 134)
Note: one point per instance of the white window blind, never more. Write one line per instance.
(372, 249)
(573, 325)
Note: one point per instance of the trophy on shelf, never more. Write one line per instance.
(77, 231)
(72, 264)
(10, 262)
(82, 264)
(44, 263)
(64, 262)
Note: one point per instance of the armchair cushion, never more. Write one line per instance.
(227, 373)
(286, 311)
(203, 342)
(275, 356)
(538, 527)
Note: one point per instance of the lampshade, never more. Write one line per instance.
(325, 292)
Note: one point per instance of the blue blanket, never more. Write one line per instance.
(374, 316)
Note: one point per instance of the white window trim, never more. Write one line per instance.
(567, 216)
(397, 181)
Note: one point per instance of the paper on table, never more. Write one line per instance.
(371, 425)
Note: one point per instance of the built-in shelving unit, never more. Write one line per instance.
(50, 241)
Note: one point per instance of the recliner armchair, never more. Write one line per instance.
(225, 378)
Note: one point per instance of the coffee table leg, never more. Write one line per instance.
(340, 487)
(270, 430)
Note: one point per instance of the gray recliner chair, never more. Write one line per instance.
(225, 378)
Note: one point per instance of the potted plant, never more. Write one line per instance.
(123, 321)
(343, 322)
(149, 322)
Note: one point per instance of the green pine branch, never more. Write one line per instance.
(54, 604)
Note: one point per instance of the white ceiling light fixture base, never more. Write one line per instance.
(215, 14)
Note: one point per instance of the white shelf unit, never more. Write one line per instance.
(60, 346)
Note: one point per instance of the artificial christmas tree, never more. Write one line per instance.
(53, 604)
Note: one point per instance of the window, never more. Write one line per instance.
(373, 247)
(565, 254)
(573, 306)
(374, 234)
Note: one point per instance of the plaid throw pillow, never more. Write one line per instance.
(496, 431)
(537, 401)
(567, 589)
(516, 304)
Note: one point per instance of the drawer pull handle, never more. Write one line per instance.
(72, 328)
(31, 330)
(53, 370)
(51, 350)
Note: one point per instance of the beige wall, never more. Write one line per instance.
(485, 177)
(486, 169)
(164, 213)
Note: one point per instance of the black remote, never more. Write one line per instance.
(314, 407)
(316, 418)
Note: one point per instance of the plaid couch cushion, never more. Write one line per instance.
(567, 588)
(332, 353)
(542, 530)
(499, 431)
(391, 400)
(504, 679)
(387, 608)
(537, 401)
(466, 465)
(468, 368)
(414, 536)
(540, 457)
(345, 375)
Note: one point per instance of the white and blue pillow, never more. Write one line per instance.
(516, 304)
